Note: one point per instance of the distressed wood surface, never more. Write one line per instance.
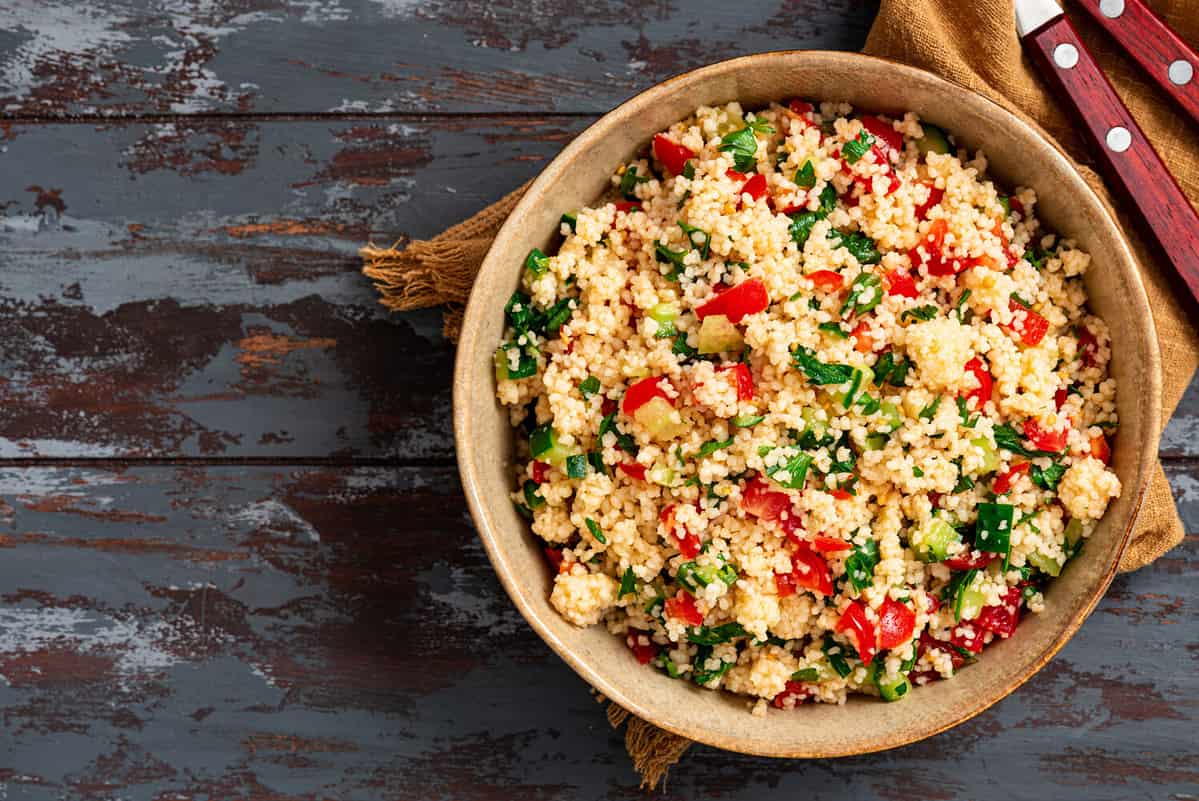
(234, 559)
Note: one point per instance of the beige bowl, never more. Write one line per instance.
(1018, 154)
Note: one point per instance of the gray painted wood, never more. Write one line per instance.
(290, 603)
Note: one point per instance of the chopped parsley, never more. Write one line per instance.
(994, 530)
(629, 181)
(672, 257)
(589, 387)
(805, 177)
(835, 329)
(817, 372)
(923, 313)
(537, 262)
(930, 411)
(704, 245)
(628, 583)
(1048, 477)
(743, 144)
(794, 471)
(594, 528)
(857, 148)
(861, 246)
(859, 565)
(710, 447)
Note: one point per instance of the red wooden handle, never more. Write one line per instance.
(1120, 145)
(1159, 51)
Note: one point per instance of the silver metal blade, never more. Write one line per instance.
(1032, 14)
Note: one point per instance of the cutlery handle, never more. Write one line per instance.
(1160, 52)
(1120, 145)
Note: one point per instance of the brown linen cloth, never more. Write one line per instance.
(973, 44)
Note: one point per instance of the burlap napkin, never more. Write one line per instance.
(973, 44)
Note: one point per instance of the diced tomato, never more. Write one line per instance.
(1031, 327)
(935, 196)
(863, 342)
(682, 607)
(607, 406)
(928, 643)
(884, 131)
(784, 584)
(1053, 441)
(688, 542)
(826, 544)
(1003, 482)
(854, 620)
(794, 693)
(971, 560)
(748, 297)
(967, 635)
(673, 156)
(934, 498)
(810, 571)
(1002, 618)
(827, 280)
(1100, 449)
(555, 557)
(645, 652)
(755, 187)
(1016, 205)
(628, 205)
(735, 175)
(932, 258)
(762, 502)
(896, 622)
(1088, 347)
(986, 384)
(934, 603)
(800, 107)
(796, 207)
(840, 494)
(743, 378)
(644, 391)
(1059, 398)
(633, 470)
(540, 471)
(901, 283)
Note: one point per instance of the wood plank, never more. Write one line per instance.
(290, 633)
(193, 289)
(111, 57)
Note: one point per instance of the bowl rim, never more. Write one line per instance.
(479, 304)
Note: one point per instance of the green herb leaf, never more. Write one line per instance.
(994, 530)
(959, 583)
(859, 565)
(917, 472)
(957, 307)
(596, 460)
(532, 499)
(743, 145)
(681, 348)
(628, 583)
(806, 176)
(817, 372)
(964, 413)
(709, 448)
(801, 226)
(520, 313)
(571, 219)
(589, 387)
(835, 329)
(594, 528)
(920, 313)
(792, 472)
(857, 148)
(861, 246)
(828, 199)
(864, 294)
(1049, 477)
(576, 466)
(715, 635)
(806, 674)
(526, 364)
(704, 245)
(628, 181)
(930, 411)
(1008, 439)
(836, 653)
(672, 257)
(555, 317)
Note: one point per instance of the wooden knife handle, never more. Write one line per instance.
(1161, 53)
(1121, 146)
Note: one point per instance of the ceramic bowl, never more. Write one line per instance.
(1019, 154)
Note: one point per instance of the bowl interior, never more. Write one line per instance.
(1018, 155)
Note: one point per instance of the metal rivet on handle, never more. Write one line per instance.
(1119, 139)
(1111, 8)
(1065, 55)
(1181, 72)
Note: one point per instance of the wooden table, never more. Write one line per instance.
(235, 561)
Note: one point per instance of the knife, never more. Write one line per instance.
(1119, 143)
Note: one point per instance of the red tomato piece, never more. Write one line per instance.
(971, 560)
(682, 607)
(762, 502)
(628, 205)
(901, 283)
(968, 636)
(1003, 482)
(883, 131)
(1031, 327)
(748, 297)
(644, 391)
(854, 621)
(784, 584)
(555, 557)
(826, 544)
(1059, 398)
(633, 470)
(840, 494)
(827, 280)
(540, 471)
(1016, 205)
(1100, 449)
(1002, 618)
(607, 406)
(794, 693)
(935, 196)
(755, 187)
(1053, 441)
(895, 623)
(688, 542)
(743, 378)
(1088, 347)
(862, 341)
(674, 157)
(932, 258)
(934, 603)
(928, 643)
(800, 107)
(986, 384)
(644, 651)
(810, 571)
